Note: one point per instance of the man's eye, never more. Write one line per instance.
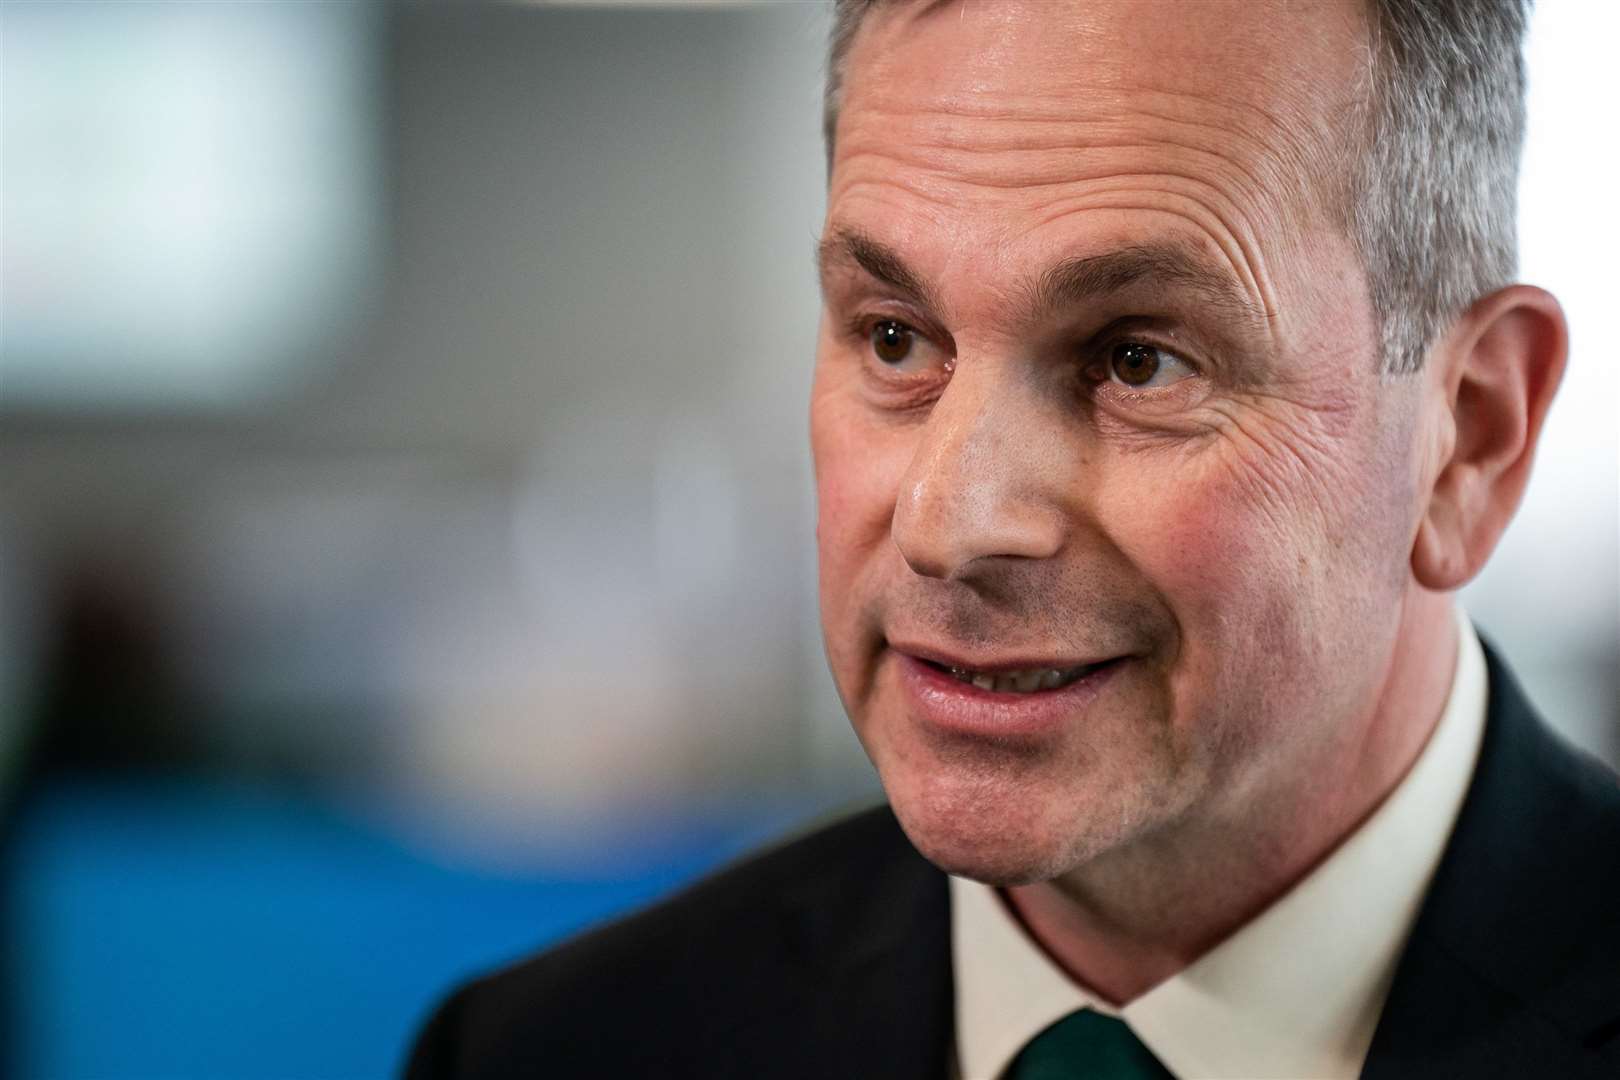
(1136, 366)
(892, 341)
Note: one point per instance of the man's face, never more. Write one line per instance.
(1097, 404)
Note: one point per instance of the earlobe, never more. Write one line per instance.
(1503, 361)
(1437, 562)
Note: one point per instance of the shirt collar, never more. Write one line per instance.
(1294, 992)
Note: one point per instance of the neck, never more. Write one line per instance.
(1131, 919)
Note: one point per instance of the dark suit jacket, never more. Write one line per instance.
(830, 957)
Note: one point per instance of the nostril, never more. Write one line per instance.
(943, 538)
(922, 531)
(924, 563)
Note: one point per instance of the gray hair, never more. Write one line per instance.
(1431, 191)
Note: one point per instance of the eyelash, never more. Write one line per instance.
(1093, 357)
(860, 327)
(1104, 352)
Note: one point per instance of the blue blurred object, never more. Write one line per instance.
(201, 929)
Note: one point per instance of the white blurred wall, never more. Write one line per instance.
(1551, 594)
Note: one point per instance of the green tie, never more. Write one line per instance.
(1087, 1045)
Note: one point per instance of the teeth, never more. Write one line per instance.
(1020, 682)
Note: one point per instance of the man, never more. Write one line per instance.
(1170, 379)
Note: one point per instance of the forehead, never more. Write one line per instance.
(1077, 32)
(1285, 71)
(1016, 132)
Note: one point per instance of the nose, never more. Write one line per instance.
(985, 480)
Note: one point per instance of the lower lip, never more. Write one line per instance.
(942, 701)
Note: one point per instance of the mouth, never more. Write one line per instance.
(1030, 680)
(1012, 697)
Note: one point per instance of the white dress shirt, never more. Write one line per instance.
(1294, 993)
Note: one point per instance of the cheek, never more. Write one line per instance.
(857, 469)
(859, 462)
(1204, 547)
(1234, 539)
(1313, 503)
(1230, 576)
(1282, 563)
(854, 504)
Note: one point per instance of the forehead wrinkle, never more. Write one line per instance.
(1265, 193)
(1261, 157)
(1266, 144)
(1219, 126)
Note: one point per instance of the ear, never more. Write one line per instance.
(1499, 368)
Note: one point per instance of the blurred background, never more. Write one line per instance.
(406, 548)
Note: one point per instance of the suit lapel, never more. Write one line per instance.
(1513, 967)
(869, 938)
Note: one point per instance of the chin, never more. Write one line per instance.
(972, 834)
(1030, 809)
(999, 869)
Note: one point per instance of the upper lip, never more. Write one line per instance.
(996, 664)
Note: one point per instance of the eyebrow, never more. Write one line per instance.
(1168, 265)
(844, 248)
(1069, 283)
